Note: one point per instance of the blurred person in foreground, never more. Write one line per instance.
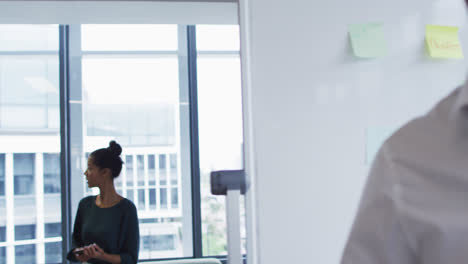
(414, 209)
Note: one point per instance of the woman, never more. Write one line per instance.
(106, 226)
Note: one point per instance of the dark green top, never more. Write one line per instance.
(114, 229)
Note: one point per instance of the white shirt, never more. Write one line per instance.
(414, 208)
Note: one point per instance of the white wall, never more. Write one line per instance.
(308, 103)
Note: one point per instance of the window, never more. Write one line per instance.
(2, 234)
(173, 166)
(131, 86)
(25, 254)
(2, 206)
(220, 124)
(158, 243)
(151, 170)
(2, 174)
(162, 170)
(29, 84)
(53, 229)
(223, 38)
(152, 199)
(141, 199)
(29, 38)
(118, 182)
(130, 195)
(24, 174)
(141, 170)
(129, 37)
(51, 173)
(23, 232)
(129, 170)
(131, 93)
(53, 252)
(174, 198)
(29, 126)
(2, 255)
(163, 198)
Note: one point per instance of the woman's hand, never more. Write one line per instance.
(98, 252)
(81, 255)
(89, 252)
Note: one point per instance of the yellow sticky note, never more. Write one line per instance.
(443, 42)
(368, 40)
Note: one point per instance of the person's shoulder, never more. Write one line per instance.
(419, 131)
(414, 136)
(128, 204)
(422, 135)
(87, 201)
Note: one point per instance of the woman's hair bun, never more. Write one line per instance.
(114, 148)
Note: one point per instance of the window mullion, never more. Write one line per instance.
(194, 141)
(64, 138)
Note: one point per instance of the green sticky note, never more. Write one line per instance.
(443, 42)
(368, 40)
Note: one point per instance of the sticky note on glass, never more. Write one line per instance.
(368, 40)
(443, 42)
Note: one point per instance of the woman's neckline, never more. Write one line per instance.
(107, 207)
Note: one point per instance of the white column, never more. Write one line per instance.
(39, 184)
(252, 230)
(233, 227)
(10, 219)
